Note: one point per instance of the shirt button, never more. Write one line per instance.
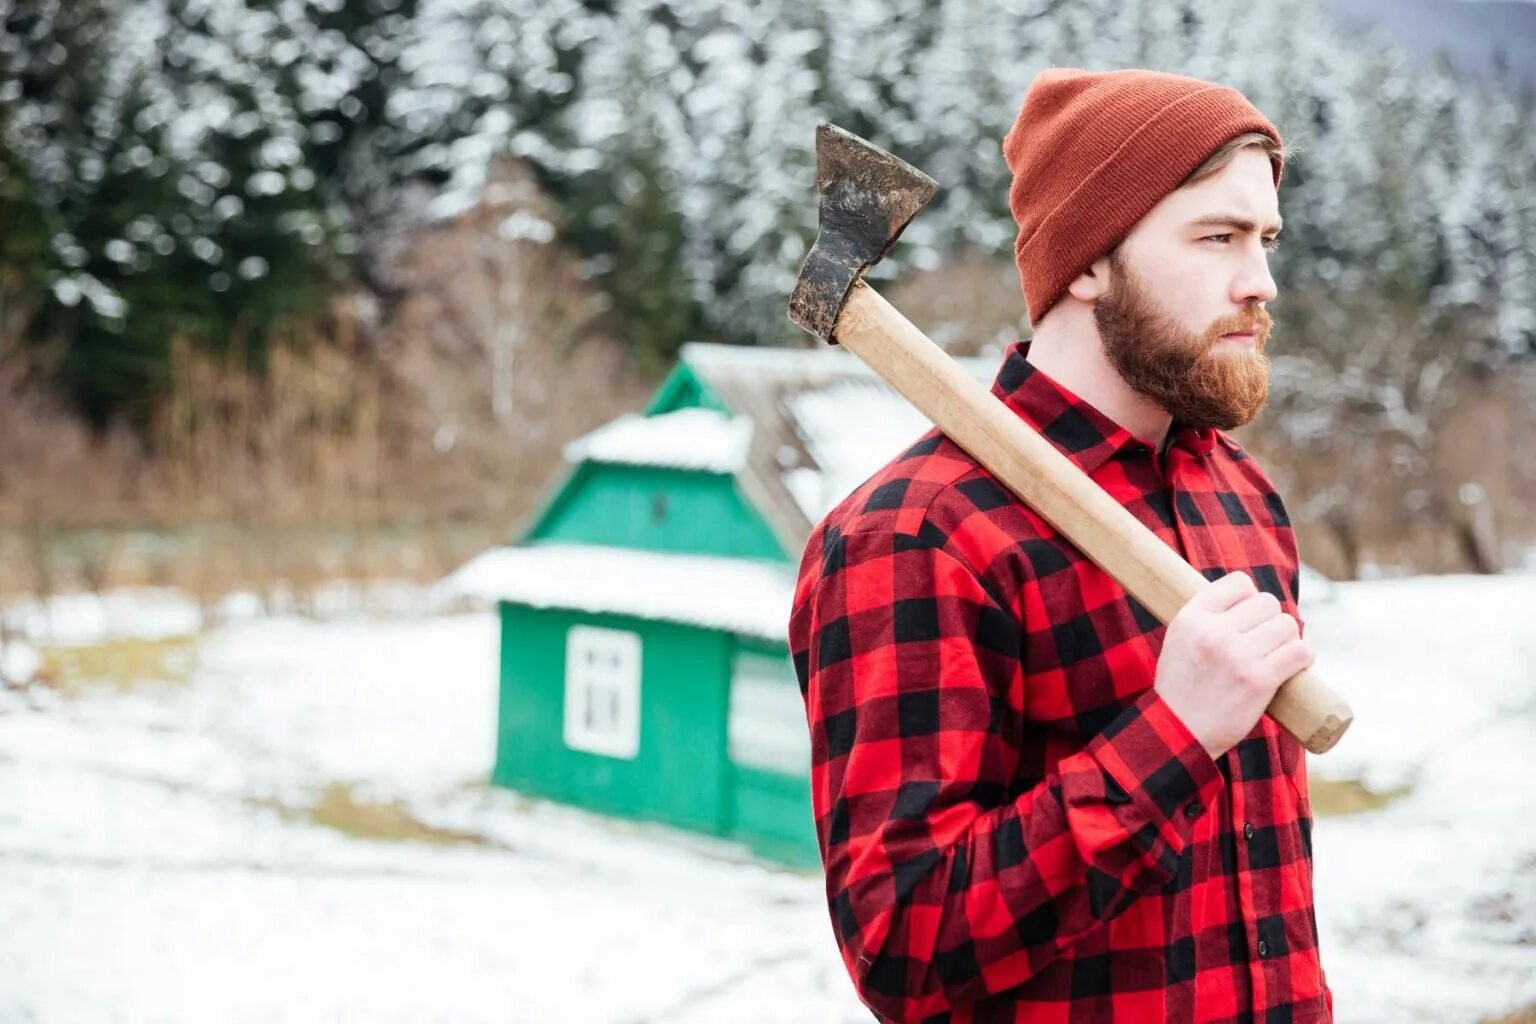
(1263, 949)
(1194, 810)
(1247, 830)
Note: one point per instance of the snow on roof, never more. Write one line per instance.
(818, 362)
(735, 594)
(685, 439)
(772, 358)
(851, 429)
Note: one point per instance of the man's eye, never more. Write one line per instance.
(1272, 243)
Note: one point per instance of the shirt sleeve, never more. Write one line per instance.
(946, 883)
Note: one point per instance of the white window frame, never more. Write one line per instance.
(767, 728)
(602, 691)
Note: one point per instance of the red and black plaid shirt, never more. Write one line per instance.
(1015, 826)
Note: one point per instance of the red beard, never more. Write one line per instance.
(1199, 383)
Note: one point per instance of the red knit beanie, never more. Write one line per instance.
(1091, 154)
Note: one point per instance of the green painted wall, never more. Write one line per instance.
(680, 772)
(771, 805)
(772, 815)
(655, 509)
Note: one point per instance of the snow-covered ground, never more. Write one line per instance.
(158, 861)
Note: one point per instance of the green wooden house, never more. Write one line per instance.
(644, 665)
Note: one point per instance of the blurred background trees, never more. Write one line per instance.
(373, 261)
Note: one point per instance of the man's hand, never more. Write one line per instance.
(1224, 655)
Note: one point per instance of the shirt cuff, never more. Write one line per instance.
(1166, 771)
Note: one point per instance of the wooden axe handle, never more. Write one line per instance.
(1046, 480)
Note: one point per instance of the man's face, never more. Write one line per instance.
(1177, 287)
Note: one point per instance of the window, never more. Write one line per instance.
(767, 727)
(602, 691)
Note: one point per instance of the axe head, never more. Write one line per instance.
(867, 197)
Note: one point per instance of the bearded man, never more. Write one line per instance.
(1034, 801)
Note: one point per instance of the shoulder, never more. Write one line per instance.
(897, 496)
(937, 496)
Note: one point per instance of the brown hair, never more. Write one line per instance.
(1229, 149)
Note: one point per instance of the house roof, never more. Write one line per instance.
(683, 439)
(734, 594)
(822, 423)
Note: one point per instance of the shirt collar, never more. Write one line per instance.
(1079, 430)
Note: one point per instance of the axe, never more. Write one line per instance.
(867, 197)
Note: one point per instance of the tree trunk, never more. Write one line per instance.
(1478, 540)
(1342, 525)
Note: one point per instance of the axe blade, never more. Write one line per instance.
(867, 197)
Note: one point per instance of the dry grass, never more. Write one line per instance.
(209, 561)
(119, 664)
(1335, 798)
(342, 808)
(443, 410)
(1525, 1015)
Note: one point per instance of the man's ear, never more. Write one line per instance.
(1093, 282)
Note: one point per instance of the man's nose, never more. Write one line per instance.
(1255, 284)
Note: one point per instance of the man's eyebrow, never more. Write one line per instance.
(1232, 219)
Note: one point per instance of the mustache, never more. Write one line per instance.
(1258, 321)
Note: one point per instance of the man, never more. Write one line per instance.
(1035, 802)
